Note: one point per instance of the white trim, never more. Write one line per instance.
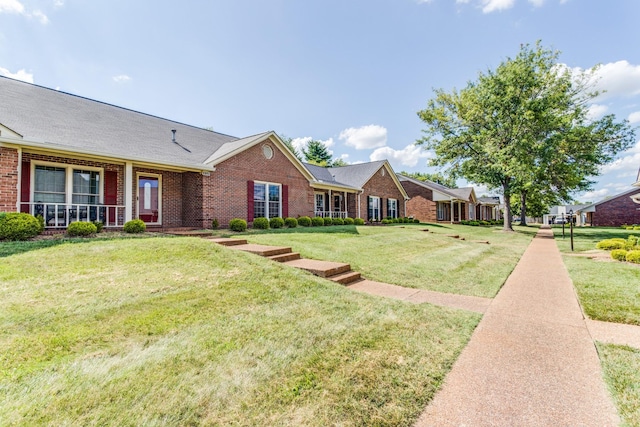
(151, 175)
(69, 168)
(266, 196)
(128, 191)
(396, 208)
(19, 183)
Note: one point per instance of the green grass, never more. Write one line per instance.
(621, 366)
(185, 332)
(608, 291)
(407, 256)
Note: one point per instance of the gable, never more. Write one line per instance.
(8, 133)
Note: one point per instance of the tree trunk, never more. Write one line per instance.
(506, 194)
(523, 207)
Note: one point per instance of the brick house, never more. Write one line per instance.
(613, 211)
(70, 158)
(366, 190)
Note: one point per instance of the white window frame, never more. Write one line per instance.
(315, 202)
(68, 183)
(395, 209)
(137, 204)
(266, 195)
(374, 218)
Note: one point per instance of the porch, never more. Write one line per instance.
(60, 215)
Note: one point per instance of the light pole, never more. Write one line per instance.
(571, 227)
(564, 218)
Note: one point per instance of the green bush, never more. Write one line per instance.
(291, 222)
(610, 244)
(304, 221)
(215, 224)
(317, 221)
(238, 224)
(276, 222)
(328, 220)
(81, 229)
(636, 227)
(632, 241)
(348, 221)
(261, 223)
(386, 221)
(40, 219)
(416, 221)
(633, 256)
(619, 254)
(99, 225)
(338, 221)
(629, 227)
(19, 226)
(134, 226)
(358, 221)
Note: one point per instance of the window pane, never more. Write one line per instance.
(259, 191)
(274, 193)
(49, 185)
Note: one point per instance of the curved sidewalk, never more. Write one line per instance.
(531, 361)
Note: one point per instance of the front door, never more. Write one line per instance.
(149, 199)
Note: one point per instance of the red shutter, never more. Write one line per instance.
(110, 196)
(249, 201)
(25, 186)
(285, 201)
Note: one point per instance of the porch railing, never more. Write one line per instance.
(60, 215)
(331, 214)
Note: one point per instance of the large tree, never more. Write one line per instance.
(523, 127)
(317, 153)
(438, 178)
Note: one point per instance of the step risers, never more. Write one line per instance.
(285, 257)
(226, 241)
(346, 278)
(265, 251)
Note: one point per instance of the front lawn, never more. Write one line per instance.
(608, 291)
(621, 366)
(406, 255)
(182, 331)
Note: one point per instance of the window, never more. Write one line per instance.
(392, 208)
(374, 208)
(442, 212)
(319, 203)
(50, 184)
(266, 200)
(86, 187)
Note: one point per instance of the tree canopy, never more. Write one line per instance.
(317, 153)
(438, 178)
(523, 128)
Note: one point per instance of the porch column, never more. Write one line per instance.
(128, 191)
(459, 211)
(451, 216)
(358, 198)
(330, 204)
(346, 209)
(19, 183)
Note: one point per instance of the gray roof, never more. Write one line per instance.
(455, 193)
(66, 121)
(489, 200)
(351, 176)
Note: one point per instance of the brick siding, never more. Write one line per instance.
(421, 204)
(617, 211)
(8, 179)
(379, 185)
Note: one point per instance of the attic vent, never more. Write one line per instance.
(173, 138)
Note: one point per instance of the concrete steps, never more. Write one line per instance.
(338, 272)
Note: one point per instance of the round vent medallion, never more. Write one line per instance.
(267, 151)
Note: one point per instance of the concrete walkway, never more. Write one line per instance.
(531, 361)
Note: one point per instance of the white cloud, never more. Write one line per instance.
(627, 163)
(634, 117)
(41, 17)
(365, 137)
(11, 6)
(408, 156)
(596, 111)
(595, 195)
(122, 78)
(617, 79)
(20, 75)
(301, 143)
(537, 3)
(489, 6)
(58, 3)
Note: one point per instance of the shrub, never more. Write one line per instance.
(40, 219)
(261, 223)
(19, 226)
(416, 221)
(338, 221)
(464, 222)
(629, 227)
(633, 240)
(99, 225)
(358, 221)
(276, 222)
(636, 227)
(348, 221)
(633, 256)
(134, 226)
(386, 221)
(328, 221)
(395, 220)
(619, 254)
(610, 244)
(304, 221)
(484, 222)
(215, 224)
(81, 229)
(317, 221)
(291, 222)
(238, 224)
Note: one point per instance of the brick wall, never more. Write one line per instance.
(225, 190)
(193, 201)
(171, 195)
(8, 179)
(617, 211)
(421, 204)
(382, 186)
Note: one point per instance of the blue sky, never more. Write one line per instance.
(352, 73)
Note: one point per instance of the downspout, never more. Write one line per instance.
(359, 216)
(451, 216)
(128, 191)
